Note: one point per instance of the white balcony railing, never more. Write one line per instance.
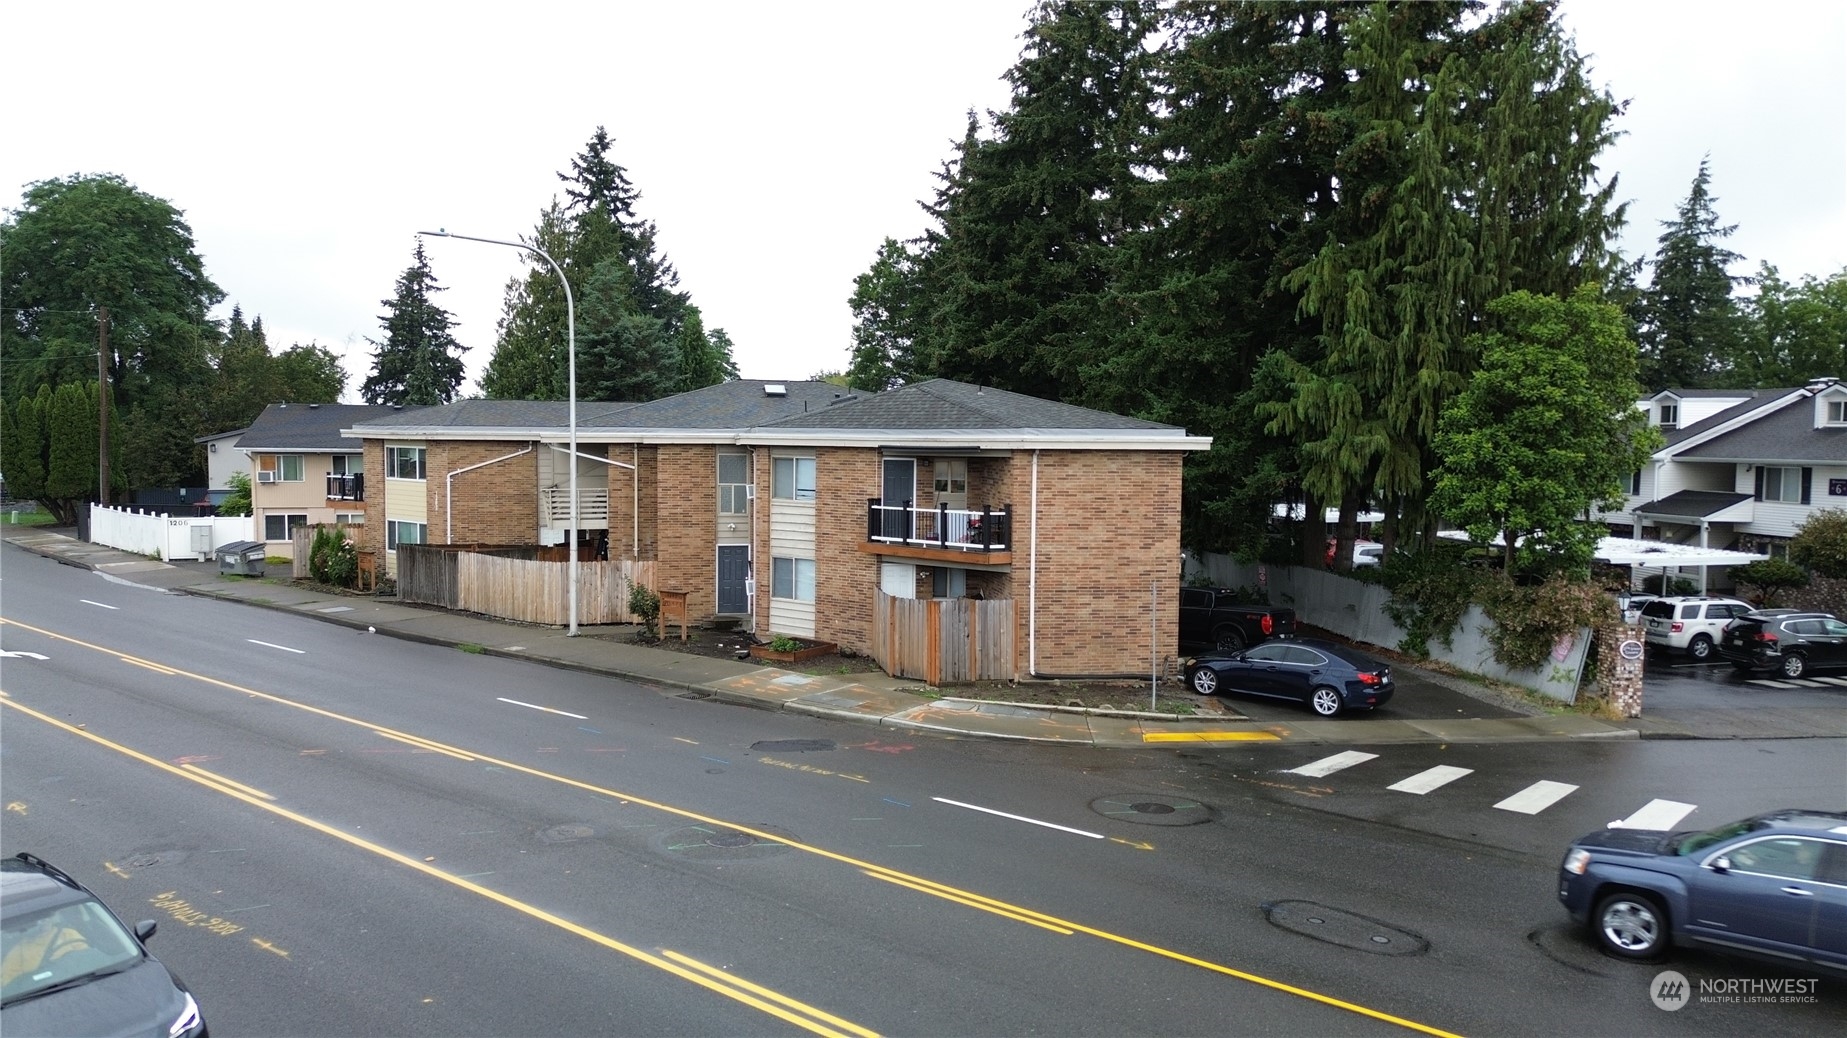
(592, 507)
(969, 529)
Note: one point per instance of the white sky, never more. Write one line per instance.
(775, 145)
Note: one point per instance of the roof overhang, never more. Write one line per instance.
(1692, 506)
(1625, 551)
(947, 440)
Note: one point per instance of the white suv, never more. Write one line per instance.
(1690, 623)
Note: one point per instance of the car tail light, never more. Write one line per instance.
(1268, 625)
(1763, 634)
(1677, 627)
(1369, 678)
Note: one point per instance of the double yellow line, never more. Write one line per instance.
(816, 1020)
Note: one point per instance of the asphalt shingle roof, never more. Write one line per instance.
(738, 404)
(1787, 434)
(944, 404)
(1693, 504)
(309, 428)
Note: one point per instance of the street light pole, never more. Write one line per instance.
(570, 331)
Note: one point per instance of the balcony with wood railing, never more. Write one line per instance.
(940, 534)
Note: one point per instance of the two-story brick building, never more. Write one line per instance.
(786, 507)
(303, 471)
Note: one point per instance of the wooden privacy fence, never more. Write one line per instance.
(522, 582)
(943, 639)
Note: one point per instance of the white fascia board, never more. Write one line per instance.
(986, 439)
(1769, 407)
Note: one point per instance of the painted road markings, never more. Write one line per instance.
(1537, 797)
(1329, 765)
(1019, 818)
(1657, 814)
(1209, 736)
(1432, 778)
(534, 706)
(272, 645)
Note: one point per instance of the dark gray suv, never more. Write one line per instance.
(69, 967)
(1788, 642)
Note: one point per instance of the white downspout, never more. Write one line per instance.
(449, 491)
(635, 506)
(1032, 576)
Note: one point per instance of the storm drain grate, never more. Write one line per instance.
(721, 845)
(1347, 929)
(1152, 809)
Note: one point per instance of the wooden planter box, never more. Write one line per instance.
(807, 652)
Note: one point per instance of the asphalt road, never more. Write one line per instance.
(348, 835)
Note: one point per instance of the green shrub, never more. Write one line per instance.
(1431, 590)
(1769, 578)
(1820, 543)
(784, 643)
(332, 559)
(647, 605)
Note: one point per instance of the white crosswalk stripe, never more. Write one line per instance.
(1537, 797)
(1771, 683)
(1329, 765)
(1432, 778)
(1656, 814)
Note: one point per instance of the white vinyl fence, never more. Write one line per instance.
(166, 537)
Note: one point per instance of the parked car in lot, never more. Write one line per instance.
(1774, 885)
(1786, 641)
(1325, 677)
(1215, 617)
(69, 967)
(1691, 624)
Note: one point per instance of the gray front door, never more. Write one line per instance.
(899, 487)
(733, 571)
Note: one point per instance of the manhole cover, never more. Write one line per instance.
(1152, 809)
(566, 833)
(792, 745)
(1347, 929)
(721, 845)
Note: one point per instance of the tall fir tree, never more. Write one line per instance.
(1689, 325)
(704, 359)
(622, 353)
(419, 362)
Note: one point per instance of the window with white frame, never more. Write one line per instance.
(733, 484)
(951, 475)
(397, 532)
(1782, 484)
(280, 526)
(1670, 416)
(348, 464)
(281, 468)
(404, 462)
(792, 578)
(350, 518)
(792, 479)
(1837, 412)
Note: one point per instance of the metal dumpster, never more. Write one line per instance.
(243, 558)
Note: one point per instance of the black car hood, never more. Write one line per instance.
(142, 1000)
(1642, 841)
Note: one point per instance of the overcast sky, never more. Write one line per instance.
(775, 145)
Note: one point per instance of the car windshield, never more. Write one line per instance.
(47, 949)
(1693, 843)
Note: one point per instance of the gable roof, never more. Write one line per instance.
(1786, 434)
(940, 403)
(738, 404)
(1687, 437)
(308, 428)
(526, 415)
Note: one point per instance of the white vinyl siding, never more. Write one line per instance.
(792, 537)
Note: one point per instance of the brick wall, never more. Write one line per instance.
(1108, 534)
(845, 576)
(622, 502)
(495, 504)
(686, 482)
(372, 536)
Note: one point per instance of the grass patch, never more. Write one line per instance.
(471, 647)
(15, 517)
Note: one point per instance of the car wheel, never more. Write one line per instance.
(1631, 926)
(1324, 701)
(1793, 665)
(1204, 680)
(1229, 639)
(1700, 647)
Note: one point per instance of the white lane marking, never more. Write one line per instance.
(99, 605)
(535, 706)
(1018, 818)
(272, 645)
(1833, 681)
(1537, 797)
(1768, 683)
(1656, 814)
(335, 609)
(1425, 781)
(22, 655)
(1329, 765)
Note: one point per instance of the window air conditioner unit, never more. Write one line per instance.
(265, 476)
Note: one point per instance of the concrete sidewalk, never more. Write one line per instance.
(874, 699)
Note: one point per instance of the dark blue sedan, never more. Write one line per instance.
(1770, 886)
(1325, 677)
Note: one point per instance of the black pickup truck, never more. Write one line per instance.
(1214, 618)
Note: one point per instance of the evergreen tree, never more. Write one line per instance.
(622, 353)
(85, 243)
(419, 362)
(1022, 258)
(704, 360)
(884, 303)
(529, 350)
(22, 445)
(1690, 326)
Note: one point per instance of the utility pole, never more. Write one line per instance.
(102, 406)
